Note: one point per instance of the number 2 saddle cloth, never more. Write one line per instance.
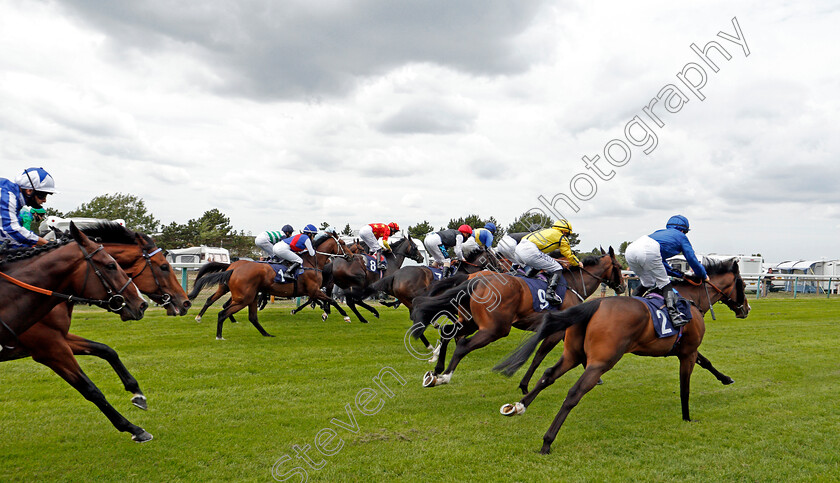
(659, 313)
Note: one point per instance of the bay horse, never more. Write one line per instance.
(489, 304)
(49, 342)
(601, 331)
(34, 280)
(246, 280)
(355, 279)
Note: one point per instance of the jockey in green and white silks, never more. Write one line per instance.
(267, 239)
(288, 248)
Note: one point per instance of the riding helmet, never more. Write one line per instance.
(310, 229)
(491, 227)
(563, 225)
(678, 222)
(36, 179)
(465, 229)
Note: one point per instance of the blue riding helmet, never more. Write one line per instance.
(678, 222)
(310, 229)
(287, 229)
(491, 227)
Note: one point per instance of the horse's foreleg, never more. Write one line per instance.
(564, 365)
(60, 359)
(463, 347)
(686, 366)
(584, 384)
(253, 310)
(81, 346)
(301, 306)
(706, 364)
(547, 344)
(351, 302)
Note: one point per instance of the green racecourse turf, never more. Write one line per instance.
(228, 410)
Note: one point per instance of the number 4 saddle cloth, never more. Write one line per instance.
(659, 313)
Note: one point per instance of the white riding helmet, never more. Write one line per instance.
(36, 179)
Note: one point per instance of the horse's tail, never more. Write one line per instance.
(211, 267)
(428, 308)
(384, 285)
(217, 278)
(552, 322)
(436, 288)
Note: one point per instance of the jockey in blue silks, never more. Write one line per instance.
(647, 258)
(289, 248)
(29, 188)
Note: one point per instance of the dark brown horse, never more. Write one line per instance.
(489, 304)
(246, 280)
(601, 331)
(355, 278)
(35, 280)
(49, 342)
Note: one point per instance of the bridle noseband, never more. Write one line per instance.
(116, 301)
(165, 297)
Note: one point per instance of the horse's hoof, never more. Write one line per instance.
(142, 437)
(433, 359)
(728, 381)
(293, 312)
(267, 335)
(139, 400)
(198, 318)
(512, 409)
(600, 382)
(220, 338)
(429, 379)
(347, 319)
(323, 317)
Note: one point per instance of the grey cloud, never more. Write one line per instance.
(271, 50)
(428, 118)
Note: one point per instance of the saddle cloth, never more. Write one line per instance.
(371, 264)
(659, 313)
(280, 272)
(538, 287)
(437, 273)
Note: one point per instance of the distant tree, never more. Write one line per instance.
(54, 212)
(324, 225)
(421, 229)
(529, 222)
(128, 207)
(623, 247)
(213, 227)
(471, 220)
(347, 230)
(175, 235)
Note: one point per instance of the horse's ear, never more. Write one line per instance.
(77, 235)
(602, 251)
(612, 252)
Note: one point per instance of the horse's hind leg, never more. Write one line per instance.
(223, 289)
(546, 346)
(566, 363)
(252, 317)
(60, 359)
(81, 346)
(463, 347)
(584, 384)
(225, 313)
(706, 364)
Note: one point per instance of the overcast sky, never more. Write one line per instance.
(277, 111)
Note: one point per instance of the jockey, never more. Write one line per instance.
(29, 188)
(267, 239)
(30, 215)
(647, 258)
(288, 248)
(437, 244)
(372, 233)
(533, 248)
(507, 246)
(481, 238)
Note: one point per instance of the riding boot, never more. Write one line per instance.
(292, 269)
(550, 294)
(671, 303)
(531, 272)
(446, 271)
(640, 290)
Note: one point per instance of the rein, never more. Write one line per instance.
(165, 297)
(718, 290)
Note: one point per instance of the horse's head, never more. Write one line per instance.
(613, 274)
(157, 279)
(116, 290)
(725, 278)
(409, 249)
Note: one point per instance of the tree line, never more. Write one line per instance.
(213, 228)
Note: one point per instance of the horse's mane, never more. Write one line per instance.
(110, 232)
(589, 261)
(716, 266)
(11, 255)
(318, 240)
(398, 244)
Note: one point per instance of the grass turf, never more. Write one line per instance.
(233, 409)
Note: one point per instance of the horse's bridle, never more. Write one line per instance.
(165, 297)
(725, 297)
(115, 303)
(610, 283)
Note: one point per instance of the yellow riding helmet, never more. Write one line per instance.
(563, 226)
